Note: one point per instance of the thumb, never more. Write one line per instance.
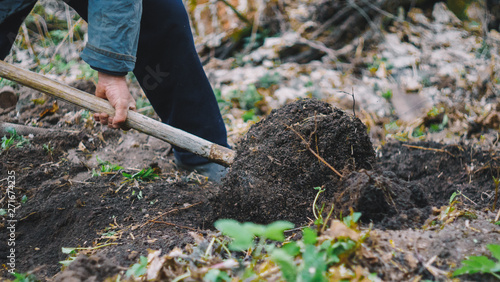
(100, 92)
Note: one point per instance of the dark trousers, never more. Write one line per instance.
(168, 69)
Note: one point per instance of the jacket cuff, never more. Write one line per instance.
(109, 72)
(107, 60)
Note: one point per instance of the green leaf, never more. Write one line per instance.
(476, 264)
(138, 269)
(453, 196)
(215, 275)
(348, 220)
(286, 263)
(274, 231)
(314, 265)
(292, 248)
(255, 229)
(495, 251)
(24, 199)
(309, 236)
(233, 229)
(67, 250)
(3, 212)
(24, 277)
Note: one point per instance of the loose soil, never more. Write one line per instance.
(274, 174)
(273, 178)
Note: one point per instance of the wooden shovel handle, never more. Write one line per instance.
(172, 135)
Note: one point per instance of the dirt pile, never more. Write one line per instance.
(382, 198)
(275, 171)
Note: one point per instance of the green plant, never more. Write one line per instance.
(107, 167)
(87, 73)
(144, 106)
(484, 51)
(6, 82)
(434, 113)
(14, 139)
(71, 252)
(269, 80)
(387, 95)
(24, 277)
(320, 222)
(3, 212)
(143, 175)
(246, 99)
(308, 259)
(139, 269)
(48, 149)
(309, 84)
(436, 127)
(373, 67)
(216, 275)
(482, 264)
(418, 132)
(249, 116)
(95, 173)
(243, 234)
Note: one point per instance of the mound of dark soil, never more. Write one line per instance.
(275, 172)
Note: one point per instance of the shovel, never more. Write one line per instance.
(172, 135)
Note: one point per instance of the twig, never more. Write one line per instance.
(28, 42)
(170, 211)
(363, 14)
(320, 46)
(428, 149)
(173, 224)
(326, 25)
(314, 153)
(498, 216)
(255, 26)
(70, 32)
(238, 14)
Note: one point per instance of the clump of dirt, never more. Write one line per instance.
(382, 198)
(93, 268)
(275, 172)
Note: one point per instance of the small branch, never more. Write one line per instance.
(314, 153)
(25, 129)
(428, 149)
(170, 211)
(332, 54)
(238, 14)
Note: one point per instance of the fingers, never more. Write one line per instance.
(115, 90)
(103, 118)
(121, 110)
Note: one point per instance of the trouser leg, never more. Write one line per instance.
(9, 29)
(169, 70)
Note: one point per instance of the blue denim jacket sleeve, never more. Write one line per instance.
(113, 34)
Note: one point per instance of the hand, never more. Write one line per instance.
(115, 90)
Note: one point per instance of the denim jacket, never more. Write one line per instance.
(113, 32)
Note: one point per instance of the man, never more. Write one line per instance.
(153, 39)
